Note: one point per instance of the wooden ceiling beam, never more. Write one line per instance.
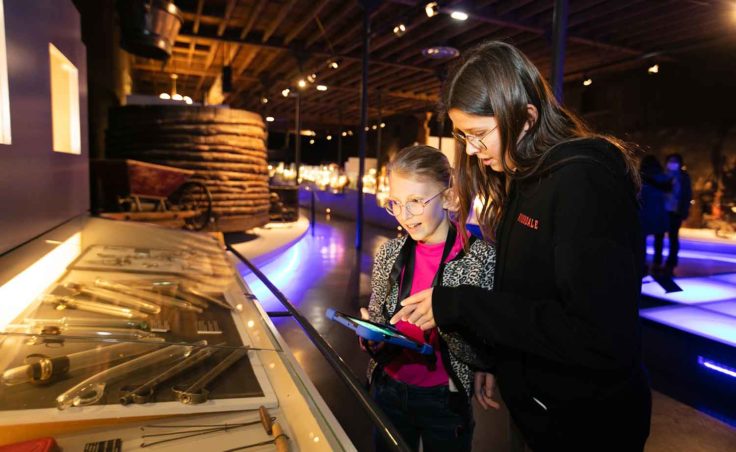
(334, 21)
(294, 32)
(254, 15)
(184, 37)
(283, 12)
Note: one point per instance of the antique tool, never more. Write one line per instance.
(93, 306)
(197, 392)
(187, 289)
(265, 420)
(159, 299)
(144, 392)
(279, 439)
(89, 321)
(43, 369)
(116, 298)
(208, 327)
(92, 389)
(46, 332)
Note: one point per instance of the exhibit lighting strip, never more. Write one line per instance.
(712, 365)
(20, 291)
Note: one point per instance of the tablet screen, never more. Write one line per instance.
(375, 327)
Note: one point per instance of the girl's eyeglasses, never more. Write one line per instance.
(414, 207)
(475, 140)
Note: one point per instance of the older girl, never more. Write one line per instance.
(561, 204)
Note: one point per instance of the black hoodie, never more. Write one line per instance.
(562, 319)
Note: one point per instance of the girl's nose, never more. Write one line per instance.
(470, 149)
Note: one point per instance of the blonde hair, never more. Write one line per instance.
(423, 162)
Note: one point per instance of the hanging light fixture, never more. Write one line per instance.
(654, 69)
(432, 9)
(399, 30)
(588, 81)
(459, 15)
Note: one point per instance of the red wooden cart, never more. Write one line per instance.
(142, 191)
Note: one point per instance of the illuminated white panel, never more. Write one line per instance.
(64, 103)
(18, 293)
(694, 290)
(694, 320)
(4, 92)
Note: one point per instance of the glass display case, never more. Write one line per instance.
(147, 337)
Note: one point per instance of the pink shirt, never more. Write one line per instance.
(411, 367)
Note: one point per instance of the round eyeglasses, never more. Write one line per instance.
(475, 140)
(414, 207)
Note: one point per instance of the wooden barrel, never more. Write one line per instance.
(226, 149)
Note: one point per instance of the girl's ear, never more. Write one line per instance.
(532, 115)
(450, 200)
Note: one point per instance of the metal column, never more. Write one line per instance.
(559, 43)
(368, 7)
(298, 136)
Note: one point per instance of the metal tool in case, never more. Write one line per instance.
(90, 321)
(43, 369)
(265, 419)
(92, 389)
(144, 393)
(63, 302)
(197, 392)
(147, 295)
(116, 298)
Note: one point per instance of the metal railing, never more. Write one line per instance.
(382, 423)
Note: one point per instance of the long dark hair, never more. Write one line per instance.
(496, 79)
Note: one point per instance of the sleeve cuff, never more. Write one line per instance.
(446, 307)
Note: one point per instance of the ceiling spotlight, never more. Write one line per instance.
(587, 82)
(459, 15)
(329, 137)
(344, 134)
(311, 141)
(188, 100)
(367, 128)
(374, 127)
(399, 30)
(350, 132)
(653, 69)
(285, 92)
(302, 83)
(177, 97)
(270, 119)
(311, 78)
(321, 87)
(383, 124)
(441, 52)
(333, 63)
(432, 9)
(165, 96)
(264, 100)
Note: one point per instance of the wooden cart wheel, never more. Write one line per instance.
(194, 197)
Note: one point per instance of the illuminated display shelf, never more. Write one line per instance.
(28, 272)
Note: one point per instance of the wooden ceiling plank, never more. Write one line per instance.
(283, 12)
(304, 22)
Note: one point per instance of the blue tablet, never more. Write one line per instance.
(380, 333)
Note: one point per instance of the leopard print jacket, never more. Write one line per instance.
(476, 268)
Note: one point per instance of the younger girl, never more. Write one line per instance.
(427, 398)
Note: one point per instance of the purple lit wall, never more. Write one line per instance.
(40, 188)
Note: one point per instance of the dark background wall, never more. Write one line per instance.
(687, 108)
(40, 188)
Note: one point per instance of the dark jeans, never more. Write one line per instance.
(443, 420)
(673, 234)
(617, 420)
